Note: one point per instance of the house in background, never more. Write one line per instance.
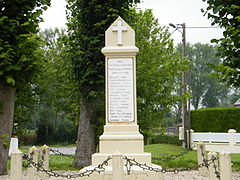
(237, 104)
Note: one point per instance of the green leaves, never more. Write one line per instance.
(226, 15)
(10, 81)
(19, 45)
(158, 68)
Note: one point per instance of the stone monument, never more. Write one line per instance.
(121, 132)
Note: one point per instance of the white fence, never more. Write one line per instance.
(217, 142)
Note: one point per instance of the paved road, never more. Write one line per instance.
(64, 150)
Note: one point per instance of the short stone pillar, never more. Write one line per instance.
(13, 145)
(44, 158)
(117, 166)
(202, 158)
(232, 137)
(213, 167)
(181, 133)
(16, 165)
(225, 165)
(32, 171)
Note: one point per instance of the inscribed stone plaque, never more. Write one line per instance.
(120, 90)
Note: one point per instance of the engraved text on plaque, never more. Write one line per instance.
(120, 90)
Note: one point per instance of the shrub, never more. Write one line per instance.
(215, 119)
(165, 139)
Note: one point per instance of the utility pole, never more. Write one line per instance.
(184, 89)
(185, 104)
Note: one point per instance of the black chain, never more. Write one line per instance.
(133, 162)
(205, 161)
(166, 157)
(217, 173)
(100, 168)
(27, 164)
(171, 157)
(57, 152)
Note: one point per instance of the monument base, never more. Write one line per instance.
(143, 158)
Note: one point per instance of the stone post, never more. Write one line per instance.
(202, 156)
(213, 166)
(117, 165)
(181, 133)
(45, 155)
(16, 165)
(13, 145)
(32, 171)
(232, 137)
(225, 165)
(190, 141)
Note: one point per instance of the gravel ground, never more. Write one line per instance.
(188, 175)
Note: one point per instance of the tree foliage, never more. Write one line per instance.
(19, 44)
(158, 66)
(20, 57)
(226, 14)
(206, 89)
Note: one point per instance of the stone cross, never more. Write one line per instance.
(119, 28)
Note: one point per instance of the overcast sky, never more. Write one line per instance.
(167, 11)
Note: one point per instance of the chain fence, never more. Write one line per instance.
(39, 166)
(167, 157)
(57, 152)
(129, 164)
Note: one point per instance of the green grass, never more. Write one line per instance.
(188, 160)
(158, 150)
(61, 163)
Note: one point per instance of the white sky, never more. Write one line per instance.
(167, 11)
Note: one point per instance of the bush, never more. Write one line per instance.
(26, 136)
(215, 119)
(165, 139)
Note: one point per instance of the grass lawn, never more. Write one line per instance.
(158, 150)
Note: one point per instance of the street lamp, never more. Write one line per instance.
(185, 120)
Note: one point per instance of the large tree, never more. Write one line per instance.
(19, 59)
(206, 89)
(226, 14)
(87, 22)
(158, 66)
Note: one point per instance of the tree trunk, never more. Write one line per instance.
(7, 98)
(86, 145)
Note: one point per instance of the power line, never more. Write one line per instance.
(204, 27)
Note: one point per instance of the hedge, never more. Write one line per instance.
(165, 139)
(215, 119)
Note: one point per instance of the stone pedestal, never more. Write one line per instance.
(121, 132)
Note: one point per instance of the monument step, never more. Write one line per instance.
(121, 137)
(98, 158)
